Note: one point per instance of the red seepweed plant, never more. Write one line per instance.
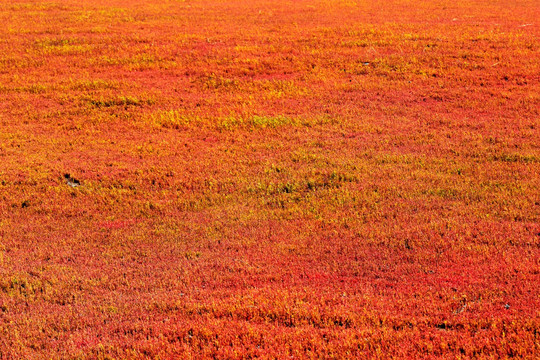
(269, 179)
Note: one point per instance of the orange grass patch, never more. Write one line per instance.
(269, 179)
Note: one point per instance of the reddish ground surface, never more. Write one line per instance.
(269, 179)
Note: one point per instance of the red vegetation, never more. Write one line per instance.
(269, 179)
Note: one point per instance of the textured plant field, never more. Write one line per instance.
(269, 179)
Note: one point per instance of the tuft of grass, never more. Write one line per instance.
(176, 119)
(117, 101)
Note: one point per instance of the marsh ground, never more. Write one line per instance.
(269, 179)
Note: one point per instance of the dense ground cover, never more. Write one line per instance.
(270, 179)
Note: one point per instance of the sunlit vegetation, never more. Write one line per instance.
(269, 179)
